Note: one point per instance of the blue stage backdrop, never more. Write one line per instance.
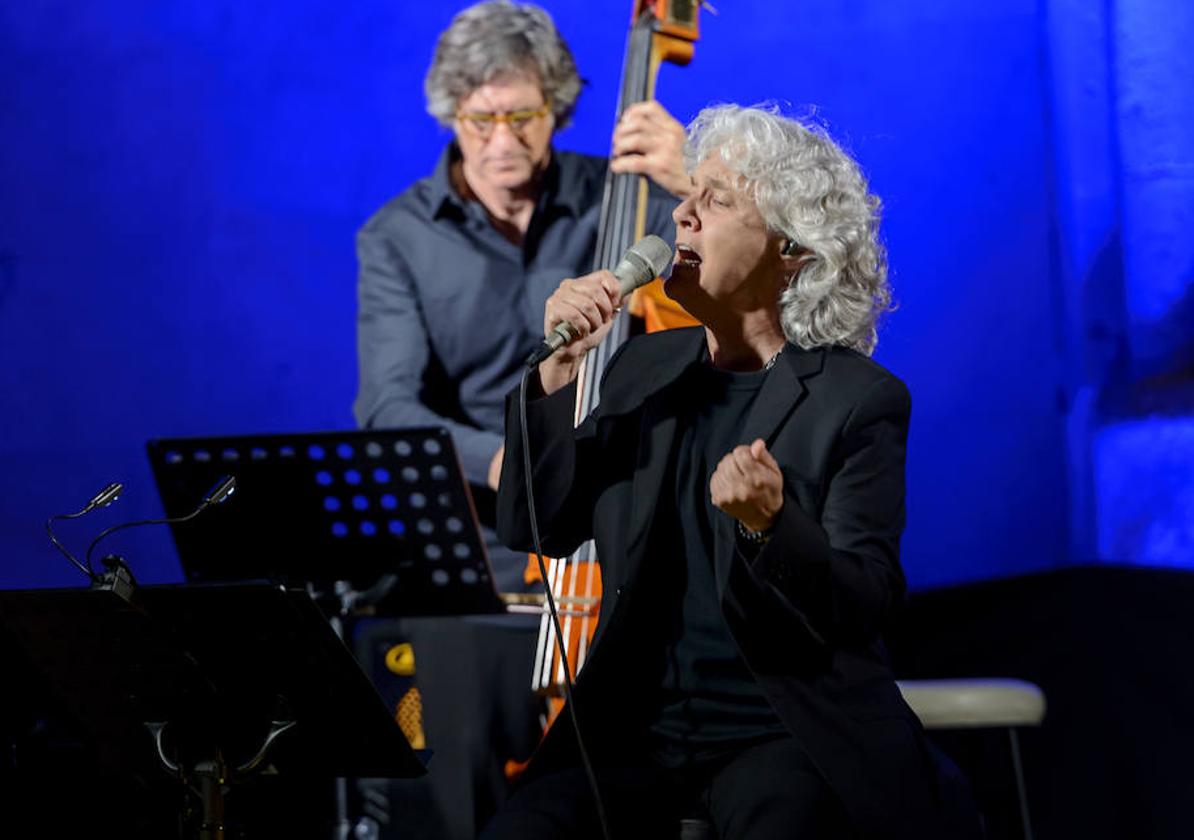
(180, 184)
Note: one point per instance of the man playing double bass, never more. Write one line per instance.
(744, 483)
(454, 273)
(455, 270)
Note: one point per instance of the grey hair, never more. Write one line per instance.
(809, 190)
(497, 40)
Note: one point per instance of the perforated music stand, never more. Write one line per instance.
(209, 683)
(366, 507)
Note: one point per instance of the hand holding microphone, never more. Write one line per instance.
(577, 316)
(579, 313)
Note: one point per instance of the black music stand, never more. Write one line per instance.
(384, 512)
(209, 683)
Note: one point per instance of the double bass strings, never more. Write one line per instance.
(617, 230)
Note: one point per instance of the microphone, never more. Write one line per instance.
(643, 262)
(101, 499)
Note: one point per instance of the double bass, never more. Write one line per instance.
(661, 31)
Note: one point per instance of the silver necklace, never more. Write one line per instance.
(771, 362)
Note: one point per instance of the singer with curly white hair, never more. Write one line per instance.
(744, 483)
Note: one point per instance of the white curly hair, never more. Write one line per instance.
(810, 191)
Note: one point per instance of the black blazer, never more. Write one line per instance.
(806, 610)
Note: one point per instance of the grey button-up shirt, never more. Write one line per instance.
(449, 308)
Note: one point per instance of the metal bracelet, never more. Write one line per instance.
(754, 537)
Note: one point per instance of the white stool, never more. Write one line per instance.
(980, 704)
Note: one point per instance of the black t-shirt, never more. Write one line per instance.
(708, 702)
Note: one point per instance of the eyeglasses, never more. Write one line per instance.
(481, 123)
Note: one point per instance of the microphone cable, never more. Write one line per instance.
(551, 603)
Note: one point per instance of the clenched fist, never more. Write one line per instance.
(749, 486)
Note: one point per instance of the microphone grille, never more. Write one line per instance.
(655, 251)
(643, 262)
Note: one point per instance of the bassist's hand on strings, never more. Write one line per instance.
(650, 141)
(589, 304)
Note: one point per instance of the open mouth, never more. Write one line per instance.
(686, 257)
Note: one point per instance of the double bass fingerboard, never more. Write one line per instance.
(576, 579)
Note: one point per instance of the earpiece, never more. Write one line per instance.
(789, 247)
